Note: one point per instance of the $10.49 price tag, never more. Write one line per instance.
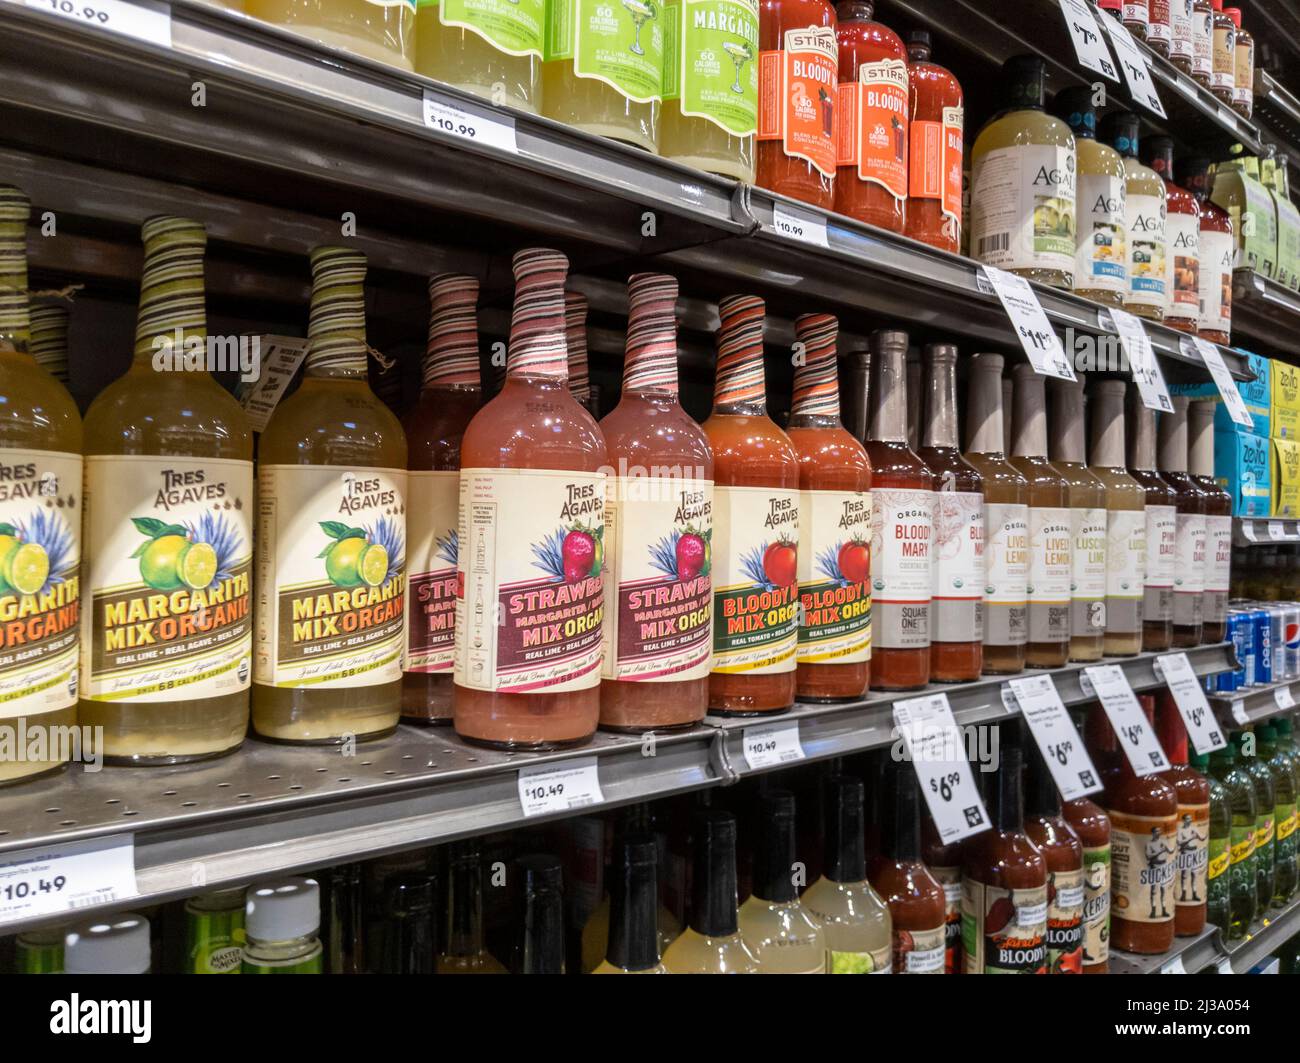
(67, 877)
(1202, 727)
(549, 788)
(934, 746)
(443, 114)
(1058, 739)
(1127, 719)
(772, 745)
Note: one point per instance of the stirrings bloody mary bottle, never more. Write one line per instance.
(834, 655)
(1063, 851)
(532, 501)
(935, 146)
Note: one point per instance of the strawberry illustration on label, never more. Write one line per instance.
(780, 563)
(579, 552)
(572, 553)
(854, 560)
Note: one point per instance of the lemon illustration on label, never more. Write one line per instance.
(33, 554)
(360, 556)
(176, 556)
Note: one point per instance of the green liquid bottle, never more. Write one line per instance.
(214, 932)
(1286, 875)
(1240, 790)
(1218, 907)
(1253, 763)
(40, 951)
(282, 928)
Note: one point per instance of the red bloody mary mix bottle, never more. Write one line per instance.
(834, 655)
(1162, 528)
(1063, 851)
(755, 527)
(935, 145)
(532, 500)
(575, 338)
(797, 84)
(449, 398)
(1182, 240)
(1217, 249)
(944, 864)
(1092, 825)
(1218, 520)
(871, 178)
(658, 532)
(1191, 885)
(1189, 526)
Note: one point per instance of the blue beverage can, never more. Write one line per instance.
(1262, 631)
(1240, 634)
(1292, 627)
(1277, 640)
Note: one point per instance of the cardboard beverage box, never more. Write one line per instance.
(1243, 463)
(1284, 414)
(1286, 478)
(1237, 190)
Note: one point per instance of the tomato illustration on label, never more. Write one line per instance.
(854, 561)
(780, 563)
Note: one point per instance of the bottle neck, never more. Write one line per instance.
(14, 313)
(1108, 429)
(1200, 428)
(538, 347)
(650, 354)
(634, 918)
(1067, 440)
(714, 887)
(465, 907)
(410, 938)
(1172, 731)
(739, 384)
(1029, 438)
(1042, 798)
(984, 410)
(173, 315)
(855, 11)
(939, 423)
(1173, 438)
(336, 330)
(889, 393)
(49, 336)
(575, 336)
(1008, 810)
(918, 53)
(1143, 454)
(774, 861)
(902, 817)
(542, 951)
(451, 355)
(846, 840)
(816, 378)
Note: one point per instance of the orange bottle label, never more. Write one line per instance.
(871, 125)
(934, 165)
(797, 88)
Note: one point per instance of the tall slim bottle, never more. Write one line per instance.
(410, 926)
(1063, 852)
(1006, 522)
(1161, 527)
(1282, 766)
(935, 145)
(1092, 825)
(1217, 249)
(450, 396)
(1182, 236)
(1242, 895)
(756, 527)
(1050, 524)
(634, 905)
(1261, 779)
(1218, 521)
(540, 947)
(168, 521)
(1158, 27)
(834, 654)
(1193, 834)
(1189, 526)
(902, 527)
(331, 534)
(1203, 42)
(1217, 879)
(1243, 90)
(957, 606)
(40, 518)
(1223, 54)
(463, 950)
(491, 50)
(1144, 212)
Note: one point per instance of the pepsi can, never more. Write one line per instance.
(1262, 650)
(1238, 632)
(1276, 641)
(1291, 627)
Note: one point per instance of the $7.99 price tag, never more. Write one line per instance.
(1058, 739)
(66, 877)
(549, 788)
(934, 746)
(1041, 343)
(1127, 719)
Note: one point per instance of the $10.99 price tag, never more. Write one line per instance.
(772, 745)
(145, 22)
(1127, 719)
(934, 746)
(801, 225)
(67, 877)
(549, 788)
(1058, 739)
(445, 115)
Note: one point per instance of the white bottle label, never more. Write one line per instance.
(1006, 573)
(1162, 537)
(1147, 250)
(1023, 200)
(1189, 569)
(1101, 264)
(957, 613)
(1088, 570)
(432, 526)
(902, 530)
(1203, 44)
(1215, 284)
(1126, 556)
(835, 577)
(1049, 574)
(1180, 29)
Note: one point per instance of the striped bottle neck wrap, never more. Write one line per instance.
(15, 209)
(816, 379)
(337, 326)
(451, 358)
(740, 351)
(537, 326)
(650, 359)
(172, 305)
(575, 336)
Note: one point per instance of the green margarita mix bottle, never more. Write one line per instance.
(1254, 764)
(1285, 871)
(214, 932)
(40, 951)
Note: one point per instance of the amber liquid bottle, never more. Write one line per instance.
(1006, 522)
(935, 145)
(1189, 527)
(1193, 837)
(1182, 240)
(957, 607)
(902, 526)
(1092, 825)
(1162, 528)
(1063, 852)
(1050, 544)
(1125, 522)
(1218, 520)
(944, 864)
(1217, 249)
(634, 905)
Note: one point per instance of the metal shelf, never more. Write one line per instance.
(1278, 111)
(1264, 531)
(1210, 949)
(1265, 310)
(1252, 704)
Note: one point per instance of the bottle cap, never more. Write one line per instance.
(1234, 13)
(282, 910)
(918, 45)
(113, 944)
(1120, 131)
(542, 873)
(1023, 79)
(1075, 108)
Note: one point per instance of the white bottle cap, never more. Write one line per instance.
(110, 944)
(282, 909)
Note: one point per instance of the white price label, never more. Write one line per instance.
(1248, 530)
(1142, 360)
(280, 357)
(1283, 698)
(801, 225)
(1224, 965)
(66, 877)
(1213, 359)
(1058, 739)
(144, 22)
(549, 788)
(485, 127)
(934, 745)
(1174, 966)
(1202, 726)
(1127, 719)
(1089, 46)
(1040, 341)
(1137, 72)
(772, 744)
(1276, 530)
(1239, 712)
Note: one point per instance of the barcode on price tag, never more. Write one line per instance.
(549, 788)
(1283, 698)
(1137, 73)
(1147, 373)
(1202, 726)
(934, 746)
(1029, 320)
(802, 225)
(67, 877)
(1127, 719)
(772, 744)
(144, 22)
(1088, 43)
(1213, 359)
(486, 127)
(1058, 739)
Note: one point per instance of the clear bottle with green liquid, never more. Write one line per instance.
(1218, 908)
(1240, 791)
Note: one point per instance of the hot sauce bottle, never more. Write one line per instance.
(1063, 852)
(1050, 543)
(1182, 50)
(834, 654)
(1193, 836)
(1134, 15)
(1189, 527)
(1203, 42)
(871, 174)
(450, 396)
(917, 907)
(1092, 826)
(935, 143)
(944, 864)
(1004, 885)
(1162, 528)
(658, 532)
(957, 605)
(1182, 237)
(1243, 90)
(755, 527)
(797, 84)
(1006, 522)
(1217, 249)
(902, 525)
(1218, 520)
(531, 557)
(1159, 29)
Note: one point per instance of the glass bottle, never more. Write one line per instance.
(164, 448)
(1161, 528)
(1261, 778)
(1193, 835)
(1243, 900)
(944, 864)
(634, 904)
(463, 949)
(957, 608)
(383, 32)
(935, 133)
(575, 339)
(450, 395)
(1090, 822)
(48, 345)
(343, 920)
(1189, 527)
(1203, 42)
(658, 531)
(40, 518)
(1223, 54)
(331, 545)
(491, 50)
(1217, 249)
(756, 522)
(40, 951)
(540, 944)
(1182, 47)
(531, 458)
(902, 517)
(1006, 522)
(1145, 207)
(1159, 31)
(410, 931)
(1284, 814)
(282, 928)
(1063, 852)
(114, 944)
(1182, 236)
(1135, 15)
(214, 932)
(834, 654)
(1283, 739)
(1243, 67)
(1217, 906)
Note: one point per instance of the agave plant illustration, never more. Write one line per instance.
(447, 547)
(218, 532)
(663, 554)
(41, 547)
(549, 554)
(828, 564)
(751, 564)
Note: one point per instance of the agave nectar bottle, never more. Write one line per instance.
(575, 338)
(1189, 526)
(1050, 526)
(1145, 207)
(755, 528)
(1006, 522)
(492, 49)
(1217, 249)
(450, 396)
(1126, 530)
(1023, 183)
(1218, 520)
(40, 520)
(1162, 528)
(604, 69)
(658, 532)
(331, 534)
(1087, 496)
(169, 506)
(710, 110)
(834, 654)
(382, 31)
(532, 527)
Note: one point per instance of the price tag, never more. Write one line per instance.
(1248, 530)
(1041, 343)
(548, 788)
(1239, 712)
(1142, 359)
(1283, 698)
(801, 225)
(772, 745)
(934, 746)
(1202, 727)
(1127, 719)
(1137, 73)
(1276, 530)
(485, 127)
(280, 357)
(1058, 739)
(144, 22)
(1089, 46)
(67, 877)
(1224, 965)
(1213, 359)
(1174, 966)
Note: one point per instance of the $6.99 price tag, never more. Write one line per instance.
(934, 746)
(1127, 719)
(1054, 732)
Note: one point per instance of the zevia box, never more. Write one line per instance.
(1242, 463)
(1286, 478)
(1284, 416)
(1256, 394)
